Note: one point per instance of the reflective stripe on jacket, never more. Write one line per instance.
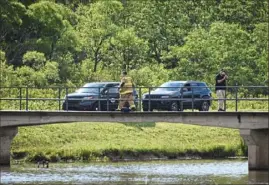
(128, 85)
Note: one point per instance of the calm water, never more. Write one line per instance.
(160, 172)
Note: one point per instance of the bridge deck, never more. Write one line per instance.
(242, 120)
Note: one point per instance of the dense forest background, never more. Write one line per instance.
(71, 42)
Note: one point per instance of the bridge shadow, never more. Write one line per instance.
(140, 125)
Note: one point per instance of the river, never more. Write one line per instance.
(146, 173)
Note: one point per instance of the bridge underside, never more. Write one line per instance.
(253, 126)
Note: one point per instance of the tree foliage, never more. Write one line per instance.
(59, 42)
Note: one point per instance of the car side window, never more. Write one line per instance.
(187, 87)
(203, 86)
(109, 89)
(114, 89)
(195, 87)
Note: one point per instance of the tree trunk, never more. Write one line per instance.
(96, 59)
(124, 60)
(53, 43)
(95, 65)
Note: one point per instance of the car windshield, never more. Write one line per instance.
(91, 88)
(170, 86)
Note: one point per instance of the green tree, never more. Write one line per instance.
(97, 26)
(11, 17)
(223, 46)
(259, 43)
(126, 50)
(51, 72)
(246, 13)
(150, 75)
(12, 14)
(34, 59)
(161, 23)
(52, 23)
(71, 42)
(8, 75)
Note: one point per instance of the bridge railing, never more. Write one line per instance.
(237, 98)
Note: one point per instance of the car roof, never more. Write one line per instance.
(103, 83)
(189, 81)
(177, 81)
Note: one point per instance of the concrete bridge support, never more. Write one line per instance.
(257, 141)
(6, 136)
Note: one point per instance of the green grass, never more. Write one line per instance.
(117, 141)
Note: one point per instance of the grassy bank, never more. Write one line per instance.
(117, 141)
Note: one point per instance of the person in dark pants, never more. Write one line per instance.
(221, 79)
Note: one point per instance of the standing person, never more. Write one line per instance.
(126, 91)
(221, 79)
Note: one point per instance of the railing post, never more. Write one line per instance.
(225, 96)
(181, 99)
(20, 98)
(149, 106)
(27, 99)
(236, 97)
(140, 99)
(59, 97)
(99, 96)
(107, 99)
(66, 98)
(192, 98)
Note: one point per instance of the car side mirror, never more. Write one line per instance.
(105, 91)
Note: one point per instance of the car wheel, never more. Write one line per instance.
(204, 106)
(174, 106)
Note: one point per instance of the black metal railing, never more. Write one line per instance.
(60, 98)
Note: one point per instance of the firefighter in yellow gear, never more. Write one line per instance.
(126, 92)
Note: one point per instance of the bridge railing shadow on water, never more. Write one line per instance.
(237, 98)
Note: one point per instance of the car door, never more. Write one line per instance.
(187, 95)
(196, 94)
(111, 96)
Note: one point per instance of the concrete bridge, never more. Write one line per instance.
(253, 126)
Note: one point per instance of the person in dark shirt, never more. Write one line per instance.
(221, 79)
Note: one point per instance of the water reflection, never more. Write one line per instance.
(150, 173)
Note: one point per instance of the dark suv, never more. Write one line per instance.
(86, 97)
(178, 95)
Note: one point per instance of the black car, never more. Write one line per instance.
(86, 97)
(178, 95)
